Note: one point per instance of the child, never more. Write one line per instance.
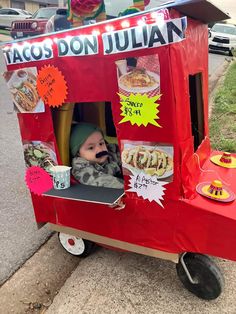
(94, 162)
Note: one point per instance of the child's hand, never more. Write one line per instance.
(118, 205)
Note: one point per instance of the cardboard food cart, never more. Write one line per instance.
(143, 79)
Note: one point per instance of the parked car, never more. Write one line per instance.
(223, 38)
(58, 22)
(8, 15)
(36, 24)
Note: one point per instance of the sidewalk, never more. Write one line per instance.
(110, 282)
(5, 38)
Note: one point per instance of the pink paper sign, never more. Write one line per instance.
(38, 180)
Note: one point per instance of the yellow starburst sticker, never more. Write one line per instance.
(139, 109)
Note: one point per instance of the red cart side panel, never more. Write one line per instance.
(188, 59)
(43, 211)
(36, 125)
(136, 223)
(208, 226)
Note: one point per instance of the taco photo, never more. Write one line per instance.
(152, 160)
(22, 84)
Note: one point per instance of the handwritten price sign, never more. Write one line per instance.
(148, 187)
(139, 109)
(38, 180)
(51, 86)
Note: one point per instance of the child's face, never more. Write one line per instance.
(93, 145)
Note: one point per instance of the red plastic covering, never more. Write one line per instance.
(188, 221)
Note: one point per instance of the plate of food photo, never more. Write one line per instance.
(39, 154)
(22, 85)
(150, 160)
(139, 80)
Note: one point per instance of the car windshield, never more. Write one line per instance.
(225, 29)
(44, 13)
(25, 12)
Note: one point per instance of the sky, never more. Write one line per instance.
(229, 6)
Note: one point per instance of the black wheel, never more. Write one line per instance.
(205, 273)
(76, 246)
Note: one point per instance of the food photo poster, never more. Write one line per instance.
(139, 75)
(22, 86)
(154, 159)
(41, 154)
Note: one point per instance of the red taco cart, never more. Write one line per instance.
(143, 79)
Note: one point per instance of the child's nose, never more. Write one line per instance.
(99, 149)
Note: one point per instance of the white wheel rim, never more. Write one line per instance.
(72, 244)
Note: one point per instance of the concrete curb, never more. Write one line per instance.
(216, 79)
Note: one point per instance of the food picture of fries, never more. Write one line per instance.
(150, 160)
(22, 84)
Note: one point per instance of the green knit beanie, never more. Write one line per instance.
(79, 134)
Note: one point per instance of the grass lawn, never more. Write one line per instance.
(223, 119)
(4, 31)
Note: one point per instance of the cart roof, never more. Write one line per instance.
(202, 10)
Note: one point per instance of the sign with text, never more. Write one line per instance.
(145, 36)
(52, 86)
(38, 180)
(148, 187)
(139, 89)
(139, 109)
(163, 32)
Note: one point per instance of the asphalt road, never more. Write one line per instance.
(215, 61)
(18, 231)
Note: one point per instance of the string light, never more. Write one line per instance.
(154, 15)
(125, 24)
(141, 23)
(109, 28)
(96, 32)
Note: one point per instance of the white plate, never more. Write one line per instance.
(141, 89)
(38, 108)
(135, 170)
(15, 82)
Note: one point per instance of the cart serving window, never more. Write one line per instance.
(142, 81)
